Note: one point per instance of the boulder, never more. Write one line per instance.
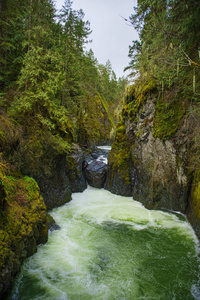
(55, 186)
(75, 164)
(23, 225)
(95, 174)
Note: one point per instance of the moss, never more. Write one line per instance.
(120, 133)
(167, 118)
(105, 105)
(28, 141)
(196, 200)
(119, 157)
(136, 97)
(195, 191)
(23, 222)
(138, 91)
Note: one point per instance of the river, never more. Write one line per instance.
(111, 247)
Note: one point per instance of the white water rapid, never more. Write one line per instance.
(110, 247)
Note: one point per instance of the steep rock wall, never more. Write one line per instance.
(55, 164)
(25, 159)
(153, 155)
(65, 177)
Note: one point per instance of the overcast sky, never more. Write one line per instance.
(111, 35)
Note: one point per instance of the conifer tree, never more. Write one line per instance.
(75, 33)
(169, 39)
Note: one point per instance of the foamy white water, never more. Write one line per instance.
(104, 147)
(111, 247)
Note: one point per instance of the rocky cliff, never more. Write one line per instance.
(155, 154)
(38, 171)
(24, 221)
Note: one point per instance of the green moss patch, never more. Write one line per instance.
(167, 118)
(135, 97)
(119, 156)
(23, 222)
(196, 200)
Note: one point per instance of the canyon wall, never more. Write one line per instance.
(154, 157)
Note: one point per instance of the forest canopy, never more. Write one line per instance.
(169, 47)
(46, 72)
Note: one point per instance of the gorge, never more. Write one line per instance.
(134, 232)
(109, 246)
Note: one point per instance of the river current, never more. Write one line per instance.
(111, 247)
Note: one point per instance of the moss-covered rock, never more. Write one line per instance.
(156, 151)
(75, 162)
(119, 164)
(168, 113)
(23, 222)
(193, 209)
(95, 122)
(40, 153)
(120, 175)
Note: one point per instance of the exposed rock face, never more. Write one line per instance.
(158, 178)
(95, 174)
(55, 186)
(64, 177)
(118, 173)
(158, 182)
(75, 164)
(47, 158)
(155, 171)
(24, 222)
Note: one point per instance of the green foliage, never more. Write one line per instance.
(53, 79)
(105, 105)
(169, 41)
(40, 80)
(39, 85)
(22, 23)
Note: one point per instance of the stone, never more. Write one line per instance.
(64, 178)
(75, 166)
(22, 227)
(55, 187)
(95, 174)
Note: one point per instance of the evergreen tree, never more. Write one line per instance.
(169, 39)
(23, 22)
(75, 33)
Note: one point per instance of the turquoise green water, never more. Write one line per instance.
(111, 247)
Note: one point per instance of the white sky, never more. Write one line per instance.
(111, 35)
